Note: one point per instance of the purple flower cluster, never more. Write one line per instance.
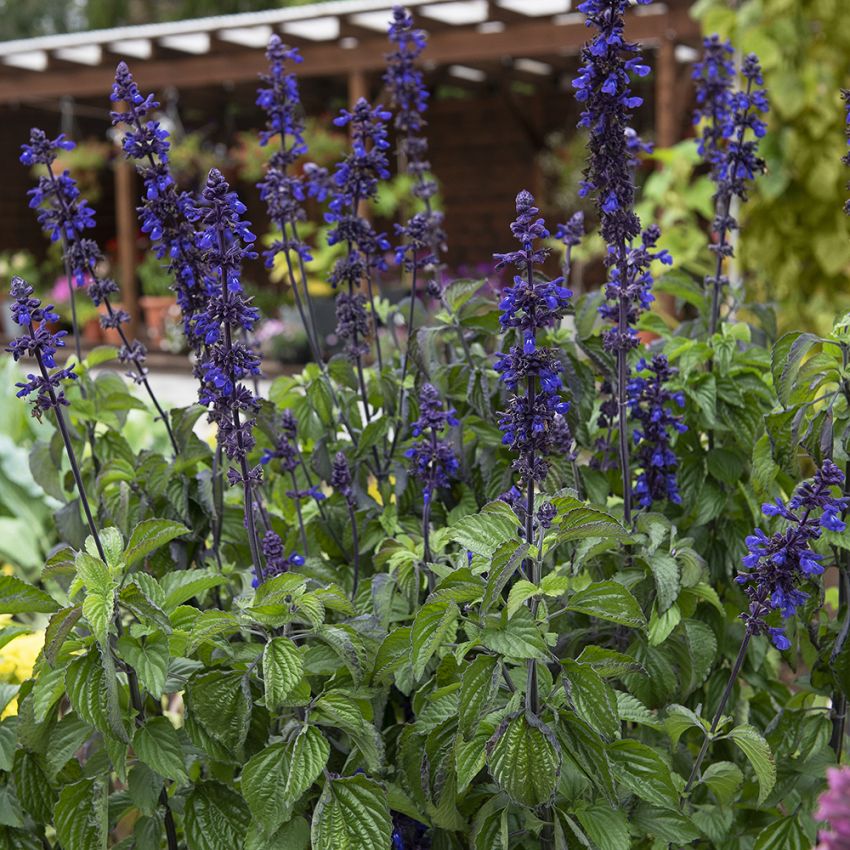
(341, 480)
(530, 305)
(40, 343)
(714, 77)
(166, 212)
(288, 457)
(423, 235)
(356, 180)
(834, 807)
(650, 405)
(777, 564)
(604, 87)
(283, 191)
(729, 143)
(226, 360)
(433, 460)
(277, 561)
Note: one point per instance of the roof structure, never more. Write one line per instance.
(336, 38)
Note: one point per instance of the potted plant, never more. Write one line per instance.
(157, 303)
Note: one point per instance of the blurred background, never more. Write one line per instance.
(502, 117)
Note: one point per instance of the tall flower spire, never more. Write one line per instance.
(845, 94)
(729, 143)
(166, 211)
(225, 241)
(65, 216)
(603, 86)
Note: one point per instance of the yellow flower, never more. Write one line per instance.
(17, 660)
(375, 492)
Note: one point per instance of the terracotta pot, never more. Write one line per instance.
(155, 310)
(91, 332)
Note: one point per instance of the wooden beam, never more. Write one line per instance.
(666, 125)
(454, 45)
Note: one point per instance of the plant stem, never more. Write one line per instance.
(736, 669)
(355, 543)
(298, 510)
(622, 406)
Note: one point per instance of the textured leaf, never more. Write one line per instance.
(483, 533)
(608, 662)
(18, 597)
(66, 738)
(221, 703)
(352, 814)
(582, 522)
(608, 600)
(434, 622)
(608, 828)
(97, 609)
(724, 778)
(518, 637)
(215, 818)
(757, 751)
(60, 626)
(149, 658)
(788, 354)
(157, 744)
(263, 777)
(665, 571)
(310, 752)
(643, 772)
(80, 817)
(479, 685)
(149, 535)
(294, 835)
(524, 758)
(181, 585)
(348, 645)
(33, 785)
(505, 562)
(520, 593)
(783, 834)
(282, 670)
(593, 700)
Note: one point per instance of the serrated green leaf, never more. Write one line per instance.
(348, 645)
(221, 702)
(608, 663)
(66, 738)
(32, 785)
(351, 814)
(282, 670)
(520, 593)
(608, 828)
(594, 701)
(608, 600)
(679, 720)
(518, 637)
(157, 744)
(434, 622)
(149, 535)
(505, 562)
(309, 755)
(80, 816)
(524, 758)
(483, 533)
(643, 772)
(783, 834)
(724, 778)
(294, 835)
(757, 751)
(215, 818)
(181, 585)
(479, 685)
(661, 626)
(149, 657)
(665, 571)
(263, 777)
(18, 597)
(98, 609)
(60, 626)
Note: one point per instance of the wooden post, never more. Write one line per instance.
(358, 86)
(125, 222)
(666, 129)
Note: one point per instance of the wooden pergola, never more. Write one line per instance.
(534, 40)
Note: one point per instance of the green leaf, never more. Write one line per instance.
(724, 778)
(434, 622)
(221, 702)
(66, 738)
(661, 626)
(149, 535)
(215, 818)
(263, 777)
(643, 772)
(679, 720)
(505, 562)
(520, 593)
(608, 828)
(148, 656)
(786, 358)
(608, 662)
(665, 571)
(783, 834)
(479, 685)
(582, 522)
(80, 817)
(18, 597)
(181, 585)
(282, 670)
(594, 701)
(157, 744)
(348, 645)
(352, 814)
(608, 600)
(518, 637)
(485, 532)
(524, 758)
(60, 626)
(294, 835)
(97, 609)
(310, 752)
(458, 292)
(757, 751)
(93, 573)
(33, 786)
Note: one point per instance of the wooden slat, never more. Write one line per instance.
(455, 45)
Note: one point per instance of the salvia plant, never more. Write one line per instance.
(511, 568)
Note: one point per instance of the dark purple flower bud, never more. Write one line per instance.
(341, 477)
(432, 459)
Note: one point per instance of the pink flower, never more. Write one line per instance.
(834, 807)
(60, 292)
